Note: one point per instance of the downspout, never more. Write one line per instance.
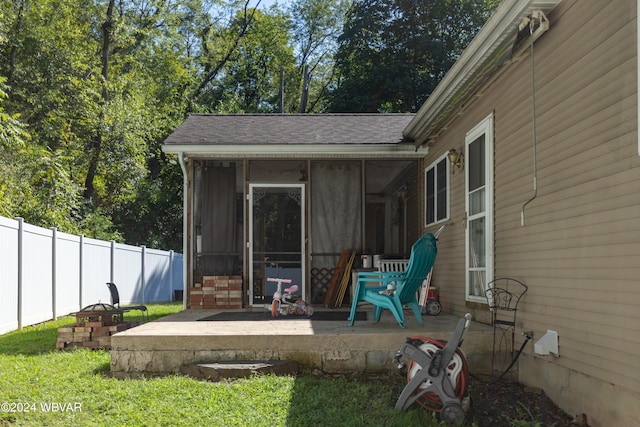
(533, 102)
(185, 222)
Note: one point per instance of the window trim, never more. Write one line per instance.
(433, 166)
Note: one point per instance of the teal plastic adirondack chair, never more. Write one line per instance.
(423, 255)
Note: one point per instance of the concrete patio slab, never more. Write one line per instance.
(164, 346)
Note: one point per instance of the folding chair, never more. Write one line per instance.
(115, 301)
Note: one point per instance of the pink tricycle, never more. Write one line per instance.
(282, 301)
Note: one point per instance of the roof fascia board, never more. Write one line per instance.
(496, 30)
(297, 151)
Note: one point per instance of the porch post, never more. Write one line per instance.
(363, 202)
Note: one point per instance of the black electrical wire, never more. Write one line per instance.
(496, 379)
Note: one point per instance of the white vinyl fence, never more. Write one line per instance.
(45, 273)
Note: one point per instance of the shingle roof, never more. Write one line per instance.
(247, 129)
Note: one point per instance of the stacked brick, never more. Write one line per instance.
(217, 292)
(95, 335)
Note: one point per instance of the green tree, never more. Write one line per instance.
(48, 64)
(316, 25)
(249, 64)
(393, 53)
(93, 87)
(95, 84)
(152, 72)
(12, 139)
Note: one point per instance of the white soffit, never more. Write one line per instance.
(490, 46)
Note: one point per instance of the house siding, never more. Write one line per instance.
(579, 250)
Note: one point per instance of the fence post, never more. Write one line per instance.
(80, 273)
(144, 273)
(20, 232)
(171, 291)
(54, 237)
(112, 256)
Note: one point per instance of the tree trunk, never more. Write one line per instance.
(304, 97)
(14, 47)
(210, 75)
(96, 141)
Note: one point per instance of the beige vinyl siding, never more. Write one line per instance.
(579, 251)
(449, 275)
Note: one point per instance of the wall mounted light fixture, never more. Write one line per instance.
(456, 160)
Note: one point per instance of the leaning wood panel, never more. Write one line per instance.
(332, 292)
(344, 281)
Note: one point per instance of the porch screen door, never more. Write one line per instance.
(479, 208)
(276, 245)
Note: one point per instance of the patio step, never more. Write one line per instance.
(239, 369)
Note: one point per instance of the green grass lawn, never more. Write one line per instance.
(40, 386)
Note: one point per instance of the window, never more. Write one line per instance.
(436, 184)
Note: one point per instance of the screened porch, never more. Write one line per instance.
(292, 218)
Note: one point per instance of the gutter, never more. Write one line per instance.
(311, 151)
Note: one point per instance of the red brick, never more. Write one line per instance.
(93, 324)
(101, 332)
(235, 286)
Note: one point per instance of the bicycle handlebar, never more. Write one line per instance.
(273, 279)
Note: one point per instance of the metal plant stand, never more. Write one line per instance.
(503, 296)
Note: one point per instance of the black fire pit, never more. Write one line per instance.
(106, 314)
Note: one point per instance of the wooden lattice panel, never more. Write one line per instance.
(320, 282)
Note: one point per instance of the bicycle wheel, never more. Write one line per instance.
(275, 308)
(299, 307)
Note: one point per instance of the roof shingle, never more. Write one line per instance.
(246, 129)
